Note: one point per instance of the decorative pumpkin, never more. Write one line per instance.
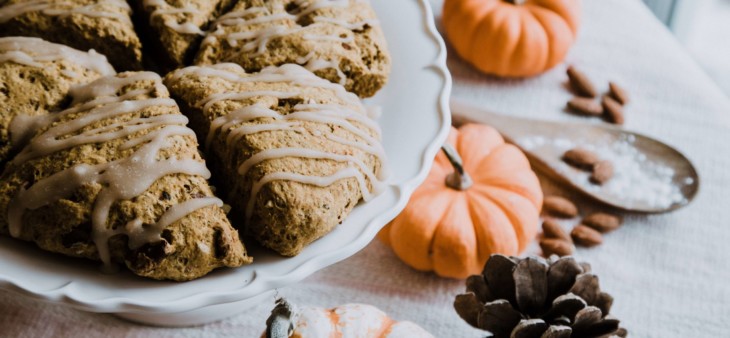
(346, 321)
(467, 210)
(513, 38)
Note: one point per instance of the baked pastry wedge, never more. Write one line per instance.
(102, 25)
(35, 77)
(293, 153)
(178, 26)
(118, 178)
(339, 40)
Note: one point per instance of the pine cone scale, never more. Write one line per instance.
(498, 275)
(589, 323)
(468, 306)
(566, 306)
(499, 318)
(531, 285)
(604, 302)
(586, 286)
(557, 331)
(586, 317)
(529, 328)
(478, 285)
(562, 275)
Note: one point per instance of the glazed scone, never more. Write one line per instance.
(339, 40)
(35, 77)
(293, 153)
(118, 178)
(102, 25)
(178, 26)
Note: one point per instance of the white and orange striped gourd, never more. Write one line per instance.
(345, 321)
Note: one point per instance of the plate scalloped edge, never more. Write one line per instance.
(64, 294)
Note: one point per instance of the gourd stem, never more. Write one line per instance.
(515, 2)
(279, 324)
(459, 179)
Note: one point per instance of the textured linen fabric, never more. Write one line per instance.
(668, 273)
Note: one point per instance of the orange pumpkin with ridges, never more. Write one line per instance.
(512, 38)
(452, 224)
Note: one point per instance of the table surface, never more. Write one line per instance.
(668, 273)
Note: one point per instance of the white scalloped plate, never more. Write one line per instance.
(415, 122)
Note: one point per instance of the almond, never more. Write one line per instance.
(618, 93)
(586, 236)
(560, 207)
(581, 158)
(554, 246)
(613, 110)
(580, 83)
(551, 229)
(585, 106)
(602, 172)
(602, 222)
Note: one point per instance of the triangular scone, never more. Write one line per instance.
(178, 26)
(102, 25)
(339, 40)
(293, 153)
(35, 77)
(118, 178)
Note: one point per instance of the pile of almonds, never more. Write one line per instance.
(611, 105)
(601, 170)
(588, 233)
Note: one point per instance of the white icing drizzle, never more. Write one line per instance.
(22, 128)
(66, 8)
(236, 17)
(161, 7)
(313, 64)
(334, 38)
(288, 73)
(320, 181)
(256, 40)
(242, 130)
(215, 98)
(106, 89)
(121, 179)
(307, 7)
(237, 124)
(275, 153)
(35, 52)
(20, 58)
(52, 140)
(350, 114)
(69, 73)
(141, 235)
(354, 26)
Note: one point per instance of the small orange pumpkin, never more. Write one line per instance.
(512, 38)
(467, 210)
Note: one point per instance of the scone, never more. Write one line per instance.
(339, 40)
(118, 178)
(35, 77)
(177, 27)
(293, 153)
(102, 25)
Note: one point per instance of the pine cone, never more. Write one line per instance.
(532, 297)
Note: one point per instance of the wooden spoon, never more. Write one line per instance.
(650, 176)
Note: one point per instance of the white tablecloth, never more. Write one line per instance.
(669, 274)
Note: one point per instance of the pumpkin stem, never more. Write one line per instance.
(459, 179)
(515, 2)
